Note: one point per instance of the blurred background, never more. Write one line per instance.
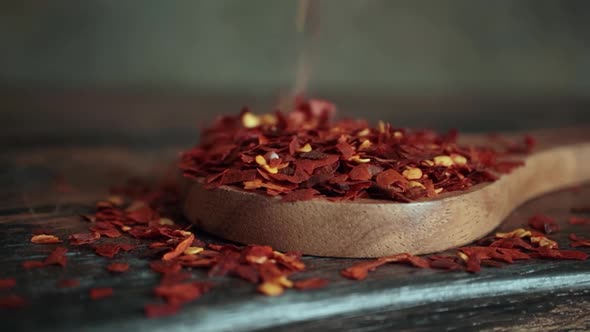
(161, 67)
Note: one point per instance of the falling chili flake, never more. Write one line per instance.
(45, 239)
(99, 293)
(543, 223)
(118, 267)
(7, 283)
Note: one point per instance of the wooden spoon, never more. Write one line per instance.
(374, 228)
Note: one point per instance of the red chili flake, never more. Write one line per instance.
(7, 283)
(544, 252)
(45, 239)
(161, 310)
(360, 271)
(165, 266)
(444, 262)
(575, 241)
(312, 283)
(109, 250)
(360, 173)
(105, 228)
(80, 239)
(56, 257)
(180, 248)
(178, 294)
(12, 302)
(573, 220)
(305, 150)
(118, 267)
(68, 283)
(300, 195)
(544, 224)
(99, 293)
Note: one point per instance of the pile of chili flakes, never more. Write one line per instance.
(304, 154)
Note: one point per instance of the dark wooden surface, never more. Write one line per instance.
(534, 295)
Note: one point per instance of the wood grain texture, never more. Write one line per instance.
(374, 228)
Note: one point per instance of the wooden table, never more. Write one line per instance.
(533, 295)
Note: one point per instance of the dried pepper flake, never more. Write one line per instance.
(109, 250)
(303, 154)
(118, 267)
(180, 248)
(56, 257)
(573, 220)
(160, 310)
(45, 239)
(86, 238)
(312, 283)
(7, 283)
(100, 293)
(179, 294)
(68, 283)
(12, 302)
(575, 241)
(544, 224)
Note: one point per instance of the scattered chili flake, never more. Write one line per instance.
(575, 241)
(45, 239)
(118, 267)
(99, 293)
(80, 239)
(56, 257)
(109, 250)
(544, 224)
(68, 283)
(180, 248)
(573, 220)
(165, 267)
(7, 283)
(181, 293)
(161, 310)
(12, 302)
(312, 283)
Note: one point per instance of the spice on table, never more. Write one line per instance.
(304, 154)
(312, 283)
(99, 293)
(45, 239)
(118, 267)
(68, 283)
(576, 241)
(56, 257)
(7, 283)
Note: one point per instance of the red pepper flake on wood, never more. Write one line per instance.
(544, 224)
(118, 267)
(12, 302)
(100, 293)
(45, 239)
(302, 155)
(180, 248)
(7, 283)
